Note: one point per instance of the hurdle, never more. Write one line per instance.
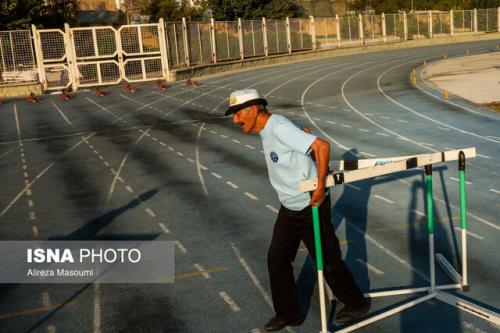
(355, 170)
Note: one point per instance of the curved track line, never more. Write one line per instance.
(424, 116)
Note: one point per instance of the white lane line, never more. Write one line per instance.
(106, 163)
(272, 209)
(427, 144)
(180, 154)
(249, 146)
(354, 187)
(171, 148)
(223, 136)
(494, 191)
(163, 143)
(232, 304)
(150, 212)
(367, 154)
(251, 196)
(476, 236)
(383, 198)
(129, 189)
(203, 167)
(45, 299)
(164, 228)
(253, 277)
(331, 122)
(402, 121)
(255, 330)
(346, 126)
(34, 229)
(443, 128)
(190, 160)
(371, 268)
(417, 212)
(235, 141)
(382, 134)
(347, 110)
(51, 329)
(493, 137)
(384, 117)
(32, 216)
(457, 180)
(199, 166)
(202, 270)
(483, 156)
(181, 247)
(316, 119)
(216, 175)
(232, 184)
(363, 130)
(97, 307)
(369, 114)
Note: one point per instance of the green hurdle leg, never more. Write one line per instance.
(463, 218)
(319, 265)
(430, 224)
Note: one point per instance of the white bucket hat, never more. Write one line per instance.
(241, 99)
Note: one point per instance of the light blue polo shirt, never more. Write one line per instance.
(287, 149)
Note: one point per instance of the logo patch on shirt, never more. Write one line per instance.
(274, 157)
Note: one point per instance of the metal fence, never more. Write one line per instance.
(94, 56)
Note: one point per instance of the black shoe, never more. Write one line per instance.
(352, 312)
(277, 323)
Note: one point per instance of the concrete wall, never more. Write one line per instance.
(20, 90)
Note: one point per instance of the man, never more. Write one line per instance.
(293, 155)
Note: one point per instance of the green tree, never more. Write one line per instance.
(253, 9)
(172, 10)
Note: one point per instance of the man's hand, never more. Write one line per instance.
(318, 196)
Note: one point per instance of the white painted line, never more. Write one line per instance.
(223, 136)
(113, 171)
(106, 163)
(202, 270)
(163, 228)
(171, 148)
(426, 144)
(154, 139)
(25, 167)
(251, 196)
(272, 209)
(493, 137)
(443, 128)
(346, 110)
(25, 175)
(363, 130)
(231, 184)
(384, 117)
(354, 187)
(371, 268)
(251, 147)
(494, 191)
(150, 212)
(457, 180)
(30, 203)
(417, 212)
(235, 141)
(28, 192)
(163, 143)
(91, 147)
(402, 121)
(120, 179)
(382, 134)
(203, 167)
(216, 175)
(100, 157)
(369, 114)
(181, 247)
(232, 304)
(483, 156)
(97, 307)
(129, 189)
(316, 119)
(32, 216)
(34, 229)
(367, 154)
(346, 126)
(253, 277)
(45, 299)
(147, 134)
(476, 236)
(383, 198)
(331, 122)
(51, 329)
(190, 160)
(180, 154)
(255, 330)
(402, 138)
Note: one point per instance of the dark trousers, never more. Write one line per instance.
(290, 228)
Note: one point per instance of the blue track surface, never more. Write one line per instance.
(166, 165)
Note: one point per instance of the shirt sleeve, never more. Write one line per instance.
(294, 138)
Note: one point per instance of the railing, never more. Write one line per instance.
(94, 56)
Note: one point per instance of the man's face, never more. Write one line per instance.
(246, 118)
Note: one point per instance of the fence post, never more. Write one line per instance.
(384, 28)
(498, 19)
(430, 24)
(186, 41)
(212, 37)
(405, 25)
(264, 36)
(313, 31)
(337, 24)
(452, 23)
(361, 32)
(163, 48)
(475, 20)
(39, 57)
(71, 58)
(240, 38)
(288, 37)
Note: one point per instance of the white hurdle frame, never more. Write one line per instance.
(369, 168)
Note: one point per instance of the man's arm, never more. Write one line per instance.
(321, 150)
